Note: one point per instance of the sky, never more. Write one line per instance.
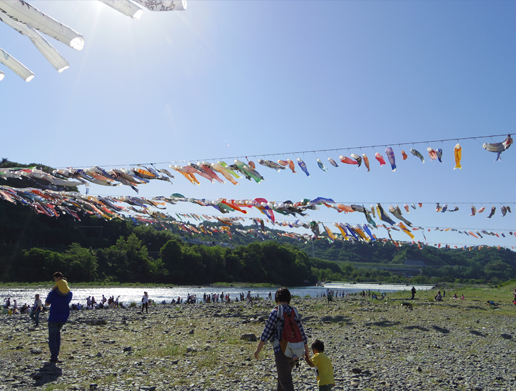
(227, 79)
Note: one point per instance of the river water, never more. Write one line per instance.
(128, 295)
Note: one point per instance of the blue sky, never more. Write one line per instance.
(249, 78)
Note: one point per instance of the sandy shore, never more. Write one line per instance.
(377, 345)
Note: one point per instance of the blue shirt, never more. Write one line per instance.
(274, 328)
(59, 306)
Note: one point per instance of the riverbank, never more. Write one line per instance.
(395, 344)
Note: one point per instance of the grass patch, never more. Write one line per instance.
(51, 387)
(208, 361)
(173, 351)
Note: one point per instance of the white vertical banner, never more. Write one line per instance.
(50, 53)
(126, 7)
(25, 13)
(2, 75)
(16, 66)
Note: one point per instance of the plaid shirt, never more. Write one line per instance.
(273, 330)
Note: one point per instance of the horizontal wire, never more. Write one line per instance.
(304, 152)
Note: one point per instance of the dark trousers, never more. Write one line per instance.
(54, 339)
(146, 306)
(34, 315)
(284, 366)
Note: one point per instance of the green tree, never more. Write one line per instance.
(171, 255)
(127, 260)
(79, 264)
(38, 264)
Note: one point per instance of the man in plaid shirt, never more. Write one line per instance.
(273, 331)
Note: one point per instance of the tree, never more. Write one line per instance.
(127, 260)
(79, 264)
(37, 264)
(171, 255)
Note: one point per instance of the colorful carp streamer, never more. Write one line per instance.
(498, 148)
(140, 210)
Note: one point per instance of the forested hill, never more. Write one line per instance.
(33, 246)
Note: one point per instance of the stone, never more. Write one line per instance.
(249, 337)
(95, 322)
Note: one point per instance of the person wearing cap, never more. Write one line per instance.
(59, 313)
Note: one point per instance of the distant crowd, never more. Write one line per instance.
(331, 294)
(113, 302)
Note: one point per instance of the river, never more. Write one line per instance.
(158, 294)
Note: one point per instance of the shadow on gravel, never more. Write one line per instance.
(416, 328)
(383, 323)
(477, 333)
(48, 373)
(440, 329)
(332, 319)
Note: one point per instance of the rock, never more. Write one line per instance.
(36, 351)
(128, 349)
(93, 386)
(249, 337)
(191, 331)
(98, 355)
(95, 322)
(506, 336)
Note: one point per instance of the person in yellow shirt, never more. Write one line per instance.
(61, 286)
(324, 369)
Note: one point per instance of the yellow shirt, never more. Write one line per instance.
(62, 285)
(324, 369)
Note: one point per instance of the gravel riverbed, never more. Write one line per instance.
(391, 345)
